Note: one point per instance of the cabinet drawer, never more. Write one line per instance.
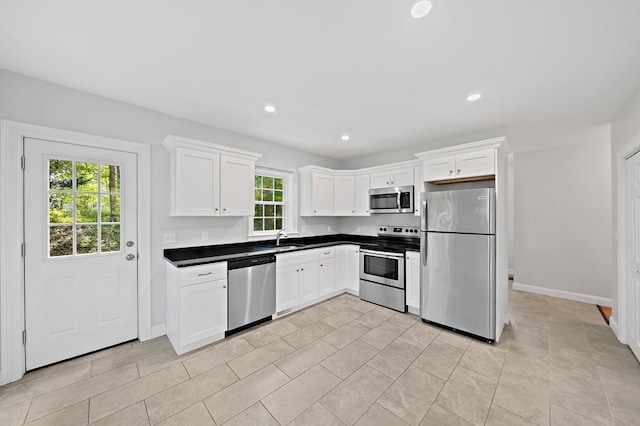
(326, 252)
(203, 273)
(288, 259)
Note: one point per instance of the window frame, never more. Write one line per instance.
(289, 202)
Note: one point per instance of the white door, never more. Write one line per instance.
(80, 235)
(633, 252)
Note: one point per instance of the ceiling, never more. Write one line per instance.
(366, 68)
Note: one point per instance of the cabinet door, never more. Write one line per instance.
(439, 168)
(413, 280)
(326, 276)
(342, 266)
(203, 311)
(322, 196)
(353, 279)
(286, 287)
(479, 163)
(402, 177)
(345, 195)
(197, 183)
(418, 189)
(308, 281)
(380, 180)
(362, 195)
(236, 186)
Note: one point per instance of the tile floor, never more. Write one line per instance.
(345, 361)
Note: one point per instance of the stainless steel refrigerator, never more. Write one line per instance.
(458, 257)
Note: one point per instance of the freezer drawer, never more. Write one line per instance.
(458, 282)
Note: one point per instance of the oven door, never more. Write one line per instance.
(382, 267)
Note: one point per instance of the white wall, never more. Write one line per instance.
(34, 101)
(624, 128)
(562, 215)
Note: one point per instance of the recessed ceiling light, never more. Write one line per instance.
(421, 9)
(345, 137)
(474, 97)
(270, 108)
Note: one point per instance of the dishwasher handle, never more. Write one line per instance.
(251, 261)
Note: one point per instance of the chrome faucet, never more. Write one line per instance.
(281, 233)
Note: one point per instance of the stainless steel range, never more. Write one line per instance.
(382, 267)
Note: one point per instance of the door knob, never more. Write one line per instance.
(129, 243)
(130, 256)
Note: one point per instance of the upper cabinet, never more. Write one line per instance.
(362, 194)
(209, 180)
(472, 164)
(316, 191)
(344, 195)
(395, 177)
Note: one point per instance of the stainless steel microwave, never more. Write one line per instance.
(395, 199)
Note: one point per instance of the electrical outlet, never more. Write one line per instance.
(169, 238)
(205, 236)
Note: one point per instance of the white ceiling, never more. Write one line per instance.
(364, 67)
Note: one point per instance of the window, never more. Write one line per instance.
(84, 208)
(274, 197)
(269, 211)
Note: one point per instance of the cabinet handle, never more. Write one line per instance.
(458, 171)
(450, 172)
(217, 209)
(353, 211)
(204, 275)
(224, 286)
(302, 269)
(224, 210)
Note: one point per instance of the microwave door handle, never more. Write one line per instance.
(399, 201)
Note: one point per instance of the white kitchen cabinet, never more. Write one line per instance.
(362, 195)
(308, 282)
(344, 195)
(412, 281)
(326, 271)
(209, 180)
(348, 268)
(236, 186)
(460, 166)
(418, 189)
(296, 278)
(395, 177)
(316, 191)
(196, 305)
(196, 183)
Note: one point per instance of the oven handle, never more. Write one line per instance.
(382, 254)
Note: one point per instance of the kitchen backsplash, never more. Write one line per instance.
(368, 225)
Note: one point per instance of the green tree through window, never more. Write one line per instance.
(269, 211)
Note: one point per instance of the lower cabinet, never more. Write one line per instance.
(296, 279)
(326, 271)
(412, 281)
(196, 305)
(348, 268)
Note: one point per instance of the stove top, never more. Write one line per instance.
(396, 239)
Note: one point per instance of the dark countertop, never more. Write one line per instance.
(200, 255)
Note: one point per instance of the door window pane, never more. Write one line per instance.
(86, 239)
(60, 241)
(60, 174)
(110, 238)
(109, 178)
(87, 177)
(86, 208)
(60, 207)
(110, 208)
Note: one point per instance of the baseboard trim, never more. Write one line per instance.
(158, 330)
(616, 330)
(578, 297)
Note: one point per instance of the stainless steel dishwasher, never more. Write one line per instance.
(252, 291)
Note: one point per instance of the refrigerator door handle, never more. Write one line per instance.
(423, 211)
(423, 248)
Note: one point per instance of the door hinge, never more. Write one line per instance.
(22, 161)
(23, 250)
(24, 337)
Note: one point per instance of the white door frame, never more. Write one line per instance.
(620, 329)
(12, 350)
